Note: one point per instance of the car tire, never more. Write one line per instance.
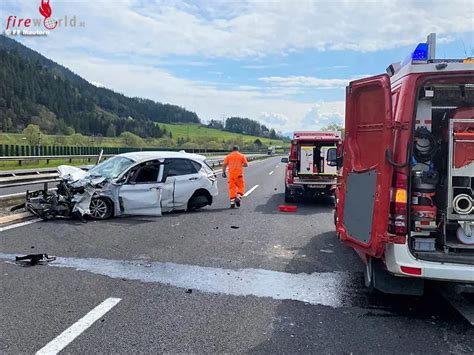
(101, 208)
(197, 201)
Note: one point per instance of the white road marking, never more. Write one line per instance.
(21, 224)
(325, 288)
(71, 333)
(250, 191)
(270, 173)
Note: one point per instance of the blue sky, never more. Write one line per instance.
(284, 63)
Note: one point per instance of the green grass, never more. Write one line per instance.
(194, 132)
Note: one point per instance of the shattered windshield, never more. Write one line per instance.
(111, 168)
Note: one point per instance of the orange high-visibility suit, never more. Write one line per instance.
(236, 162)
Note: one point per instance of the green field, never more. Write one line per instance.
(200, 135)
(195, 131)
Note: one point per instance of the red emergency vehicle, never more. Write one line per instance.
(406, 199)
(312, 166)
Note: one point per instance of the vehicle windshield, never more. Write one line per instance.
(111, 168)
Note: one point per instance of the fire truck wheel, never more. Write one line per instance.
(288, 197)
(369, 275)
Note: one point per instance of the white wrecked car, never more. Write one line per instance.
(138, 183)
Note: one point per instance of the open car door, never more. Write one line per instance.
(364, 197)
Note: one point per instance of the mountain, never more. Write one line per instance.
(34, 89)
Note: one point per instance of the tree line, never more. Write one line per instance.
(32, 92)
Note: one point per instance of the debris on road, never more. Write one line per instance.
(286, 208)
(234, 227)
(188, 290)
(34, 259)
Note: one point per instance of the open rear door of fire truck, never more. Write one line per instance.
(364, 199)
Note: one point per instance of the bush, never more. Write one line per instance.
(32, 134)
(132, 140)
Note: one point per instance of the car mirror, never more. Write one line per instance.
(284, 160)
(331, 157)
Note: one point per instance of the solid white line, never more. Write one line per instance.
(270, 173)
(21, 224)
(250, 191)
(71, 333)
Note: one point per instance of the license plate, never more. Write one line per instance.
(316, 186)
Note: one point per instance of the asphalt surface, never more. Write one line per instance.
(170, 274)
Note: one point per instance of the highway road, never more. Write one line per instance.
(217, 280)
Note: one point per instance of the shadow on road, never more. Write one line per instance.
(365, 322)
(305, 206)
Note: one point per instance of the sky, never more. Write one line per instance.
(283, 63)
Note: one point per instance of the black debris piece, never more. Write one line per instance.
(188, 290)
(34, 259)
(234, 227)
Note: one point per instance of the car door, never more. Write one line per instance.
(364, 198)
(141, 194)
(184, 176)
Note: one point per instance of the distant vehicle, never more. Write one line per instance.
(139, 183)
(406, 199)
(312, 168)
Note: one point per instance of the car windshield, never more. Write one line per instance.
(111, 168)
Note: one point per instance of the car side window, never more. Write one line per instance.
(196, 165)
(177, 167)
(146, 173)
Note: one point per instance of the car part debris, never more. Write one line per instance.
(34, 259)
(17, 207)
(286, 208)
(234, 227)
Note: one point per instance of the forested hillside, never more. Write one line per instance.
(34, 89)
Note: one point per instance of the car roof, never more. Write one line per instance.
(139, 157)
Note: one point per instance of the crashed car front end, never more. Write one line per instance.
(72, 197)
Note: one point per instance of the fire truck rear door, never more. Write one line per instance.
(364, 202)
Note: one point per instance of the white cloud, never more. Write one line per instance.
(274, 119)
(207, 100)
(250, 28)
(305, 81)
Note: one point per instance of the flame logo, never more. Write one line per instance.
(45, 9)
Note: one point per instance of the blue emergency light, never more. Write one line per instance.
(420, 54)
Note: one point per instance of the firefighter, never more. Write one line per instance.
(236, 162)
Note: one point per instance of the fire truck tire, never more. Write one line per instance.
(288, 197)
(369, 275)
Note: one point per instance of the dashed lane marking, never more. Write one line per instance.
(250, 191)
(71, 333)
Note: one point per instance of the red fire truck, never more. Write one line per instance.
(406, 199)
(312, 167)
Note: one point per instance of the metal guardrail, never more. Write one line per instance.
(44, 176)
(47, 158)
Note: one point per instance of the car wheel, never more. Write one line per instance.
(198, 201)
(100, 208)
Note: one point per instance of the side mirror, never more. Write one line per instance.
(284, 160)
(331, 157)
